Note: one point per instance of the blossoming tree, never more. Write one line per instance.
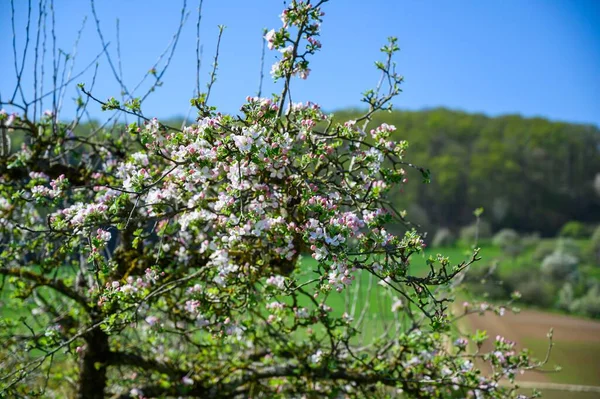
(221, 260)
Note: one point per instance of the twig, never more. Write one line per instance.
(172, 45)
(19, 71)
(105, 45)
(198, 48)
(262, 65)
(213, 74)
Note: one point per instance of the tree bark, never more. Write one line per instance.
(93, 365)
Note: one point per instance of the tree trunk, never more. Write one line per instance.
(92, 366)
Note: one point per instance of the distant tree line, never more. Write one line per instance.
(529, 174)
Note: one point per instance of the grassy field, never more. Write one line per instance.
(370, 302)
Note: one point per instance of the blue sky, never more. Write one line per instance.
(535, 58)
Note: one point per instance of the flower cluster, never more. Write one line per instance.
(57, 186)
(306, 19)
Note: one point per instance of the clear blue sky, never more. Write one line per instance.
(531, 57)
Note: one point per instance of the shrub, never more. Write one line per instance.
(484, 281)
(531, 241)
(481, 231)
(560, 265)
(574, 229)
(543, 249)
(566, 245)
(534, 290)
(509, 241)
(589, 304)
(443, 238)
(569, 246)
(566, 296)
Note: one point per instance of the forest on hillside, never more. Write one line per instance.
(529, 174)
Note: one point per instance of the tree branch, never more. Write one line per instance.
(56, 284)
(118, 358)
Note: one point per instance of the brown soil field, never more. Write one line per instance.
(576, 343)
